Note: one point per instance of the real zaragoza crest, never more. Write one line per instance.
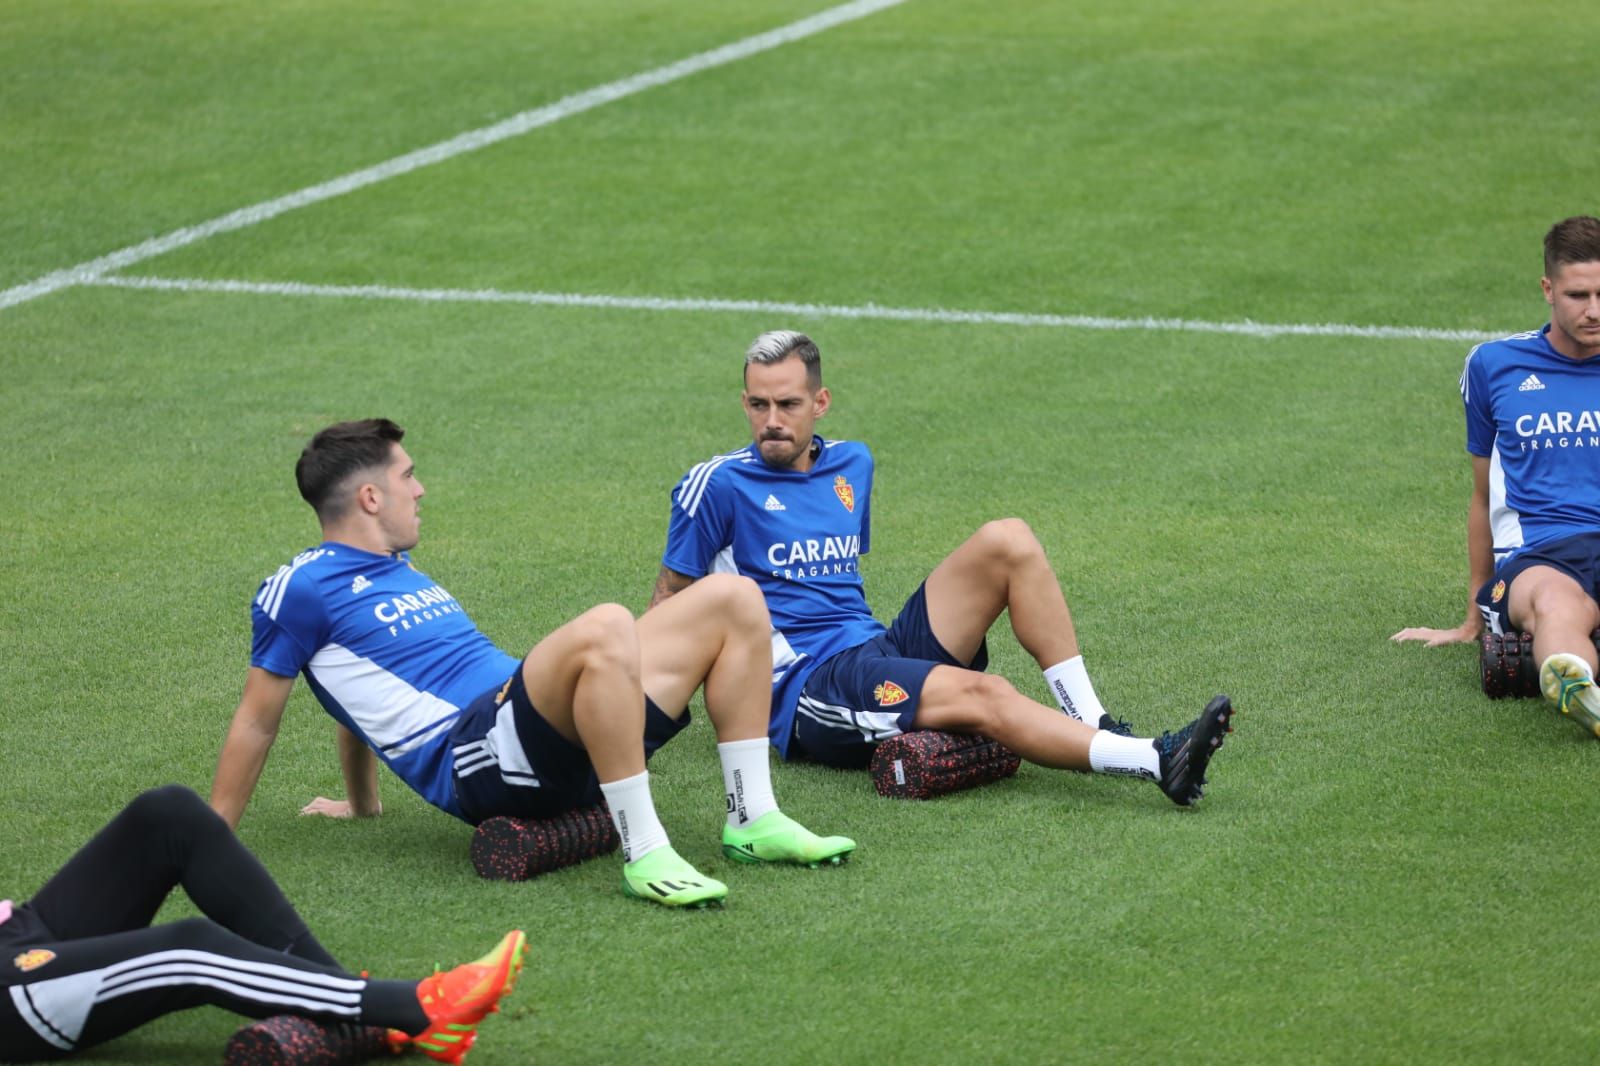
(888, 694)
(32, 960)
(846, 494)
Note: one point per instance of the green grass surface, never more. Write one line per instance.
(1387, 868)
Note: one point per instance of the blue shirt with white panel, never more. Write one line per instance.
(1535, 415)
(800, 535)
(389, 653)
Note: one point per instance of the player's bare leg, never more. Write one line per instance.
(1558, 612)
(1001, 566)
(1561, 616)
(965, 701)
(717, 633)
(585, 680)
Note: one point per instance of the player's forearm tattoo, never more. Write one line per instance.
(669, 582)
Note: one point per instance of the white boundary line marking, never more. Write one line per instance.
(461, 144)
(803, 310)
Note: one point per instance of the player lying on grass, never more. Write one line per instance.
(396, 661)
(1533, 522)
(791, 511)
(85, 964)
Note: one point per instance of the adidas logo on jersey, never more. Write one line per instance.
(360, 584)
(774, 505)
(1531, 383)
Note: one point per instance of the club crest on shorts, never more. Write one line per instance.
(1498, 593)
(32, 960)
(845, 492)
(888, 694)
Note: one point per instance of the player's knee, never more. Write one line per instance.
(738, 599)
(1555, 602)
(606, 635)
(168, 806)
(1010, 540)
(991, 691)
(977, 701)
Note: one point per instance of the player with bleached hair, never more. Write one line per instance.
(791, 511)
(1533, 521)
(393, 657)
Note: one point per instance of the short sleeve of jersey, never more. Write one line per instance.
(1475, 397)
(701, 523)
(288, 624)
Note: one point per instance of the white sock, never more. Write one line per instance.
(746, 780)
(634, 814)
(1110, 753)
(1070, 682)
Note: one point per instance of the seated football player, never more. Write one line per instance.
(1533, 520)
(86, 965)
(790, 510)
(393, 657)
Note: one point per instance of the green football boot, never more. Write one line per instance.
(1567, 683)
(775, 837)
(663, 877)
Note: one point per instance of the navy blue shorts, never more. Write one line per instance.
(871, 692)
(510, 761)
(1577, 556)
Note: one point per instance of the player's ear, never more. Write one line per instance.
(368, 497)
(1549, 291)
(823, 399)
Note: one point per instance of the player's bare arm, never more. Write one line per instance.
(1480, 567)
(360, 769)
(669, 583)
(250, 737)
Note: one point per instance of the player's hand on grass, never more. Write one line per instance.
(329, 808)
(1465, 633)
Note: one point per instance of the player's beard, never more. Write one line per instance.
(1583, 336)
(780, 451)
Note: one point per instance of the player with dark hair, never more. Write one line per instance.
(396, 661)
(791, 511)
(337, 454)
(1533, 523)
(83, 964)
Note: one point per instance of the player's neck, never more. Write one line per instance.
(359, 537)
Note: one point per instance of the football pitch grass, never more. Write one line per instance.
(1387, 867)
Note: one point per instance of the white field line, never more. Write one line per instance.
(461, 144)
(776, 307)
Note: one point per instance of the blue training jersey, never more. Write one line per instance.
(800, 536)
(390, 654)
(1535, 414)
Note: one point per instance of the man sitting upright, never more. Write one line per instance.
(1532, 404)
(791, 511)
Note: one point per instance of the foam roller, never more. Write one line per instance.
(928, 763)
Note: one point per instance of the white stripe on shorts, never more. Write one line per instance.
(501, 747)
(872, 725)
